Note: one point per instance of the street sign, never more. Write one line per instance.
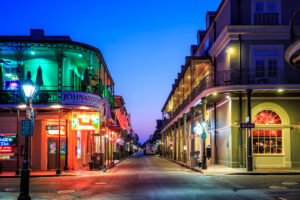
(27, 127)
(204, 135)
(247, 125)
(52, 127)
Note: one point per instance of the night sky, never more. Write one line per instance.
(144, 42)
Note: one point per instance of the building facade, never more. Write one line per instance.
(72, 80)
(235, 101)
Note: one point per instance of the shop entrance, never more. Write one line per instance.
(53, 153)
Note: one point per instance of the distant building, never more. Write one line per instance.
(236, 77)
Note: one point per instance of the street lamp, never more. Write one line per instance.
(29, 90)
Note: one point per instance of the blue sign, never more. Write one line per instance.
(27, 127)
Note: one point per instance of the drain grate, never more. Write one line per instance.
(289, 183)
(276, 187)
(65, 191)
(100, 183)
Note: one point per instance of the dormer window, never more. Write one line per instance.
(266, 12)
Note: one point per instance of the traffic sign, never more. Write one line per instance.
(247, 125)
(27, 127)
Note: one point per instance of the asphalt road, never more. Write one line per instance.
(145, 177)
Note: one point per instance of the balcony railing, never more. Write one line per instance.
(44, 96)
(247, 76)
(266, 19)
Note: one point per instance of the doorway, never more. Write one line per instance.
(53, 153)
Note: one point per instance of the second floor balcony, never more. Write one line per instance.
(245, 78)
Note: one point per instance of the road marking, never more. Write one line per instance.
(65, 191)
(10, 189)
(289, 183)
(281, 198)
(100, 183)
(276, 187)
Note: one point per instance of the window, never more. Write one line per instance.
(267, 141)
(266, 12)
(266, 63)
(266, 6)
(259, 7)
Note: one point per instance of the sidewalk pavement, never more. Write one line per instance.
(52, 173)
(221, 170)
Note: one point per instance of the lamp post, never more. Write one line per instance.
(29, 90)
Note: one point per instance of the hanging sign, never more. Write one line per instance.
(80, 98)
(85, 121)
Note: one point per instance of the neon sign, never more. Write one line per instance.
(55, 131)
(8, 139)
(200, 128)
(85, 121)
(7, 149)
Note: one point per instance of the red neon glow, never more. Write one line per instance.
(267, 117)
(6, 149)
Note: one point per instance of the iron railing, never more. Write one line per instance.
(246, 76)
(51, 95)
(266, 19)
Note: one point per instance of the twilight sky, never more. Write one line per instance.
(144, 42)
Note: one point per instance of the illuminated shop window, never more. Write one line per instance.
(267, 141)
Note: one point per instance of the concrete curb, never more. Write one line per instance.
(233, 174)
(183, 165)
(264, 173)
(60, 175)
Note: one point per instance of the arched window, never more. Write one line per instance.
(267, 141)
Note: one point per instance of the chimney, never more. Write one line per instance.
(193, 49)
(182, 67)
(36, 34)
(200, 36)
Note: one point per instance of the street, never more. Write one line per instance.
(150, 177)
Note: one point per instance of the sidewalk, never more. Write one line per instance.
(221, 170)
(52, 173)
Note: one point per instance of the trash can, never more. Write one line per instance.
(96, 158)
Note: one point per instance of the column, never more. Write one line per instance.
(204, 102)
(249, 138)
(179, 140)
(174, 141)
(192, 113)
(184, 138)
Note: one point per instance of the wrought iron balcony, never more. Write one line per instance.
(246, 76)
(47, 96)
(266, 19)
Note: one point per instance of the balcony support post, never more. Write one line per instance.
(249, 138)
(174, 140)
(192, 159)
(184, 138)
(204, 102)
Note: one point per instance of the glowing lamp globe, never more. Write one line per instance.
(28, 88)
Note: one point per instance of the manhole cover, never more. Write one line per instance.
(289, 183)
(65, 191)
(100, 183)
(10, 189)
(277, 187)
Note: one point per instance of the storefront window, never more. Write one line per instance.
(78, 150)
(267, 141)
